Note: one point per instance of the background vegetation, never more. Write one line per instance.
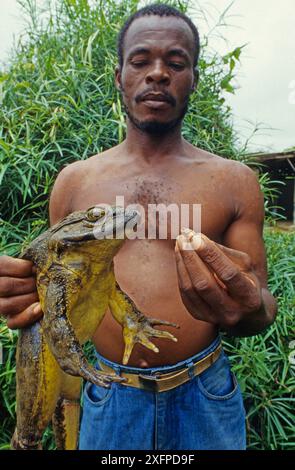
(59, 104)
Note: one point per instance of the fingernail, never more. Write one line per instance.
(197, 241)
(37, 308)
(184, 243)
(180, 241)
(187, 233)
(34, 269)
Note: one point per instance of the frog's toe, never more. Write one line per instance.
(141, 332)
(99, 378)
(156, 321)
(148, 330)
(104, 380)
(128, 349)
(112, 377)
(162, 334)
(17, 443)
(142, 339)
(131, 341)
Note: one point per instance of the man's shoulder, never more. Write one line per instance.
(70, 170)
(68, 182)
(233, 168)
(240, 181)
(77, 168)
(73, 173)
(233, 178)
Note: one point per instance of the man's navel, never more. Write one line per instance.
(142, 363)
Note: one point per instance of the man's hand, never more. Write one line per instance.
(217, 284)
(18, 294)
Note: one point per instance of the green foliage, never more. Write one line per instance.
(59, 104)
(262, 364)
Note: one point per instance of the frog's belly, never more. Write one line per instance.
(88, 312)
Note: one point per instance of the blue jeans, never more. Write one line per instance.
(205, 413)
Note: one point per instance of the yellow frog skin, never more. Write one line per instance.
(76, 284)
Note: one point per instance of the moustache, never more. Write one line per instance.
(170, 99)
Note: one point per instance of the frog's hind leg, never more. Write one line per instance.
(60, 333)
(37, 388)
(66, 418)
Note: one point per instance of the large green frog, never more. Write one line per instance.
(76, 284)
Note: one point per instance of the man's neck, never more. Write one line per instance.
(152, 148)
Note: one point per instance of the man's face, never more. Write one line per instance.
(157, 76)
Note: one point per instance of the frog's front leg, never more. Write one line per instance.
(137, 328)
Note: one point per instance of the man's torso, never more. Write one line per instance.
(145, 269)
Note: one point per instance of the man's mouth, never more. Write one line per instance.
(156, 97)
(156, 100)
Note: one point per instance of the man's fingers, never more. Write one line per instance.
(202, 279)
(10, 286)
(15, 267)
(236, 282)
(184, 279)
(191, 299)
(238, 257)
(10, 306)
(26, 317)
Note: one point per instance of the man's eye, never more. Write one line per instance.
(177, 66)
(139, 64)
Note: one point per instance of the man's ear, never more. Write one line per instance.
(118, 78)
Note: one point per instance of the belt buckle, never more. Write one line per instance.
(149, 382)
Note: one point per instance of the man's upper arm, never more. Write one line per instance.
(61, 194)
(245, 233)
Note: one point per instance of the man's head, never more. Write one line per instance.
(158, 50)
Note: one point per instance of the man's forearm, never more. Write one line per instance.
(255, 322)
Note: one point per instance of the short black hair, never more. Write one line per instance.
(158, 9)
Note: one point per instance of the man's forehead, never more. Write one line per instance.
(156, 28)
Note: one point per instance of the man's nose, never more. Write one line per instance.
(158, 73)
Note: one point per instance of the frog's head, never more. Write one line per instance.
(111, 222)
(104, 227)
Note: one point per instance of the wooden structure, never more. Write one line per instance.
(281, 168)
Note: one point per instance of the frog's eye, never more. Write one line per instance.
(95, 213)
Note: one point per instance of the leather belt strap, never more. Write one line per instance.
(163, 382)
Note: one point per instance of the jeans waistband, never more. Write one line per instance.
(161, 369)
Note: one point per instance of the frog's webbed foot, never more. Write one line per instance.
(137, 328)
(21, 444)
(140, 329)
(99, 378)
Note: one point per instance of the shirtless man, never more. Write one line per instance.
(158, 52)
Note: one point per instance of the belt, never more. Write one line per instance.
(163, 382)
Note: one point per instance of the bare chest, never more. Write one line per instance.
(173, 199)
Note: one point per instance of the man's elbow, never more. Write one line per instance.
(272, 317)
(270, 307)
(257, 322)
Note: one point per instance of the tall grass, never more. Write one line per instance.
(59, 104)
(262, 363)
